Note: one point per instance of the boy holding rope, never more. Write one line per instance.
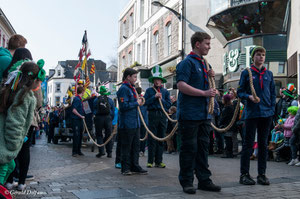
(129, 124)
(158, 120)
(192, 113)
(259, 113)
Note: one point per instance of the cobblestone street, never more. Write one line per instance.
(59, 175)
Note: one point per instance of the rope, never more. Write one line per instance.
(98, 145)
(162, 107)
(211, 101)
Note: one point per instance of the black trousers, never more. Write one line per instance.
(142, 134)
(193, 157)
(22, 160)
(103, 122)
(262, 125)
(118, 149)
(158, 125)
(51, 133)
(229, 145)
(130, 146)
(77, 126)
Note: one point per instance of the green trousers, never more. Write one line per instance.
(6, 170)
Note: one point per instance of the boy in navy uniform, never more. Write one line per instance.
(158, 120)
(192, 113)
(77, 123)
(129, 124)
(258, 116)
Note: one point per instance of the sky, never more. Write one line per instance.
(54, 28)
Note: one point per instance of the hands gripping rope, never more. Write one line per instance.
(148, 130)
(211, 104)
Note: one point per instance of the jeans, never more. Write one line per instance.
(193, 155)
(262, 125)
(77, 126)
(130, 147)
(103, 122)
(158, 125)
(293, 145)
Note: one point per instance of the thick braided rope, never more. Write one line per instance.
(98, 145)
(162, 107)
(211, 105)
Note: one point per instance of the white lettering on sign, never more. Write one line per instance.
(240, 2)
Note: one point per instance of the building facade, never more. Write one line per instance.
(155, 35)
(6, 30)
(242, 24)
(61, 79)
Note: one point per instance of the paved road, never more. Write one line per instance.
(58, 175)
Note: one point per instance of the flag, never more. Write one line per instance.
(93, 68)
(84, 39)
(84, 63)
(80, 55)
(87, 81)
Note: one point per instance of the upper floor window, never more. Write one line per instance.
(124, 36)
(130, 24)
(168, 39)
(281, 67)
(142, 11)
(59, 73)
(129, 58)
(155, 47)
(143, 60)
(57, 89)
(138, 53)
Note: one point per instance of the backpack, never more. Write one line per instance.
(103, 105)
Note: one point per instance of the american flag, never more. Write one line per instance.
(92, 68)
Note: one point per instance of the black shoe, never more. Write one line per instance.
(140, 172)
(189, 190)
(29, 177)
(209, 186)
(246, 179)
(263, 180)
(127, 173)
(99, 155)
(80, 153)
(109, 155)
(74, 154)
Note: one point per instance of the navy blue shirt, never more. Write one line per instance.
(191, 71)
(266, 106)
(111, 103)
(144, 113)
(152, 102)
(77, 104)
(129, 116)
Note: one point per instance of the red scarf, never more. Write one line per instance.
(132, 88)
(261, 81)
(158, 88)
(204, 67)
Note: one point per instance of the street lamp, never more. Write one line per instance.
(157, 3)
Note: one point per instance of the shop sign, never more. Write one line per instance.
(231, 60)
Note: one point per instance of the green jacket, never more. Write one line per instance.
(14, 127)
(5, 59)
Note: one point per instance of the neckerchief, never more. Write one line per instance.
(195, 56)
(158, 88)
(132, 88)
(260, 75)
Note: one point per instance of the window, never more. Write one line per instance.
(57, 89)
(129, 58)
(143, 62)
(168, 39)
(3, 41)
(154, 8)
(124, 36)
(138, 53)
(155, 47)
(57, 101)
(59, 73)
(281, 67)
(130, 24)
(142, 11)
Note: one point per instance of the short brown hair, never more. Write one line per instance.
(199, 36)
(80, 90)
(130, 72)
(16, 41)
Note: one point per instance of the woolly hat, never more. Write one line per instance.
(290, 90)
(227, 98)
(157, 74)
(293, 110)
(255, 49)
(103, 91)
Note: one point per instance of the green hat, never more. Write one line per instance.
(290, 90)
(103, 91)
(157, 74)
(293, 110)
(256, 48)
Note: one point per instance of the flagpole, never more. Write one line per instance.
(95, 79)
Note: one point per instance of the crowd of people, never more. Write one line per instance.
(260, 120)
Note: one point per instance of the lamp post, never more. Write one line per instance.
(177, 14)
